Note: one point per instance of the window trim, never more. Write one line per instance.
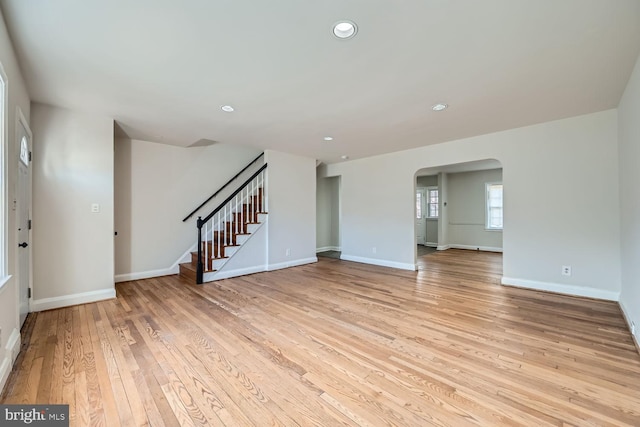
(487, 215)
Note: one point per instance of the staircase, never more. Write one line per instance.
(227, 228)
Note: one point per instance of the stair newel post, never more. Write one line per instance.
(199, 267)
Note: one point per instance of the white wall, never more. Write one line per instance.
(328, 213)
(629, 140)
(158, 185)
(466, 209)
(17, 97)
(579, 156)
(73, 249)
(291, 194)
(427, 181)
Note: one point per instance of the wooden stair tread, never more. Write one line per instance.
(188, 266)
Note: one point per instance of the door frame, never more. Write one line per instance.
(22, 121)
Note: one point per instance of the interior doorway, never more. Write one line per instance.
(456, 209)
(328, 217)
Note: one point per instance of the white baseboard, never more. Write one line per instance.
(380, 262)
(431, 244)
(627, 317)
(13, 344)
(174, 269)
(293, 263)
(73, 299)
(561, 288)
(210, 277)
(12, 349)
(219, 275)
(147, 274)
(5, 370)
(442, 247)
(328, 248)
(474, 248)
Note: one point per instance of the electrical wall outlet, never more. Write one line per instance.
(374, 249)
(566, 270)
(288, 252)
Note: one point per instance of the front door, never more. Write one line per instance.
(421, 214)
(23, 220)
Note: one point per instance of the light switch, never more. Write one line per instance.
(95, 208)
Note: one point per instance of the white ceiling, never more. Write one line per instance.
(163, 68)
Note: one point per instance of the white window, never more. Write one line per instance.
(418, 205)
(432, 202)
(24, 151)
(494, 205)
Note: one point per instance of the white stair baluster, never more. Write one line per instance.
(206, 246)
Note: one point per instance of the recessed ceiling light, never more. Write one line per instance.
(328, 138)
(439, 107)
(227, 108)
(344, 29)
(344, 157)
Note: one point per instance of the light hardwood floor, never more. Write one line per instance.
(335, 343)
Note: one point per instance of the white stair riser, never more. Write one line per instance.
(218, 263)
(251, 228)
(230, 250)
(242, 238)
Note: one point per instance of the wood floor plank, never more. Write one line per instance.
(335, 343)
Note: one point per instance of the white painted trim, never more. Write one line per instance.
(13, 344)
(12, 349)
(146, 274)
(431, 244)
(627, 317)
(292, 263)
(4, 173)
(73, 299)
(3, 281)
(217, 275)
(328, 248)
(442, 247)
(560, 288)
(5, 370)
(380, 262)
(474, 248)
(174, 269)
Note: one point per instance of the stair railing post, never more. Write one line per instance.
(200, 267)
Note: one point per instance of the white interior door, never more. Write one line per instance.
(23, 219)
(421, 214)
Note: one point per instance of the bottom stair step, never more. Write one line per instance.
(188, 271)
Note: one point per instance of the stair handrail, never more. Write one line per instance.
(222, 188)
(200, 222)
